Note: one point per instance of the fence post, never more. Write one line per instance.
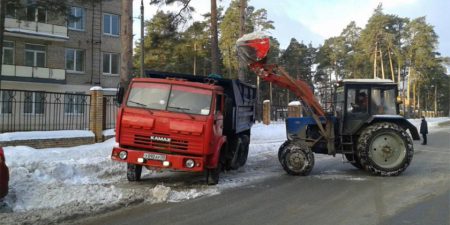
(96, 113)
(294, 109)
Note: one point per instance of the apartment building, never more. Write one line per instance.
(53, 53)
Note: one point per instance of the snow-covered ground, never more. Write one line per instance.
(49, 185)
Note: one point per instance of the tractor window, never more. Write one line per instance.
(357, 100)
(383, 101)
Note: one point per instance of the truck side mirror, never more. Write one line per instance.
(119, 96)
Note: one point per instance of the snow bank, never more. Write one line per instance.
(33, 135)
(432, 122)
(109, 132)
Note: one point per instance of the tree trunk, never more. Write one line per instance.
(392, 67)
(2, 31)
(435, 100)
(214, 39)
(126, 41)
(375, 62)
(414, 98)
(242, 9)
(408, 89)
(398, 74)
(381, 64)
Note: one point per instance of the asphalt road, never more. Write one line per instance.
(421, 195)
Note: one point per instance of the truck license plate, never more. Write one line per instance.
(154, 156)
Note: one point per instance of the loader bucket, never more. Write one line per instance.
(253, 47)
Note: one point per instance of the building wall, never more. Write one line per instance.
(91, 41)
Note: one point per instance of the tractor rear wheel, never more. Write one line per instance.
(296, 158)
(385, 149)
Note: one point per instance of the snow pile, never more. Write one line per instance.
(61, 176)
(109, 132)
(34, 135)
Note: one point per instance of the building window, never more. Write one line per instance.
(6, 100)
(76, 19)
(35, 55)
(36, 14)
(110, 63)
(8, 53)
(111, 24)
(34, 103)
(75, 60)
(74, 103)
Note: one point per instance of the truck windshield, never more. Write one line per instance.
(174, 98)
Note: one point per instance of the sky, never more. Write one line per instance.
(313, 21)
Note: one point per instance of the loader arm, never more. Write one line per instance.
(253, 50)
(278, 76)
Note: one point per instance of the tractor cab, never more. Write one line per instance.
(359, 100)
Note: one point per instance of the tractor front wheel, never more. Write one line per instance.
(296, 158)
(385, 149)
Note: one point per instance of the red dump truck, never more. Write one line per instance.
(184, 123)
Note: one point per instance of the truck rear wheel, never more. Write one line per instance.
(354, 160)
(134, 172)
(297, 158)
(243, 152)
(385, 149)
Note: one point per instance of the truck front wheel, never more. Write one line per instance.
(385, 149)
(212, 175)
(134, 172)
(296, 158)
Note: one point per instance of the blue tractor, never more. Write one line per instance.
(364, 125)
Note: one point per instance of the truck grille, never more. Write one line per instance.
(174, 144)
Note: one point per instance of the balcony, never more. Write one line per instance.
(33, 74)
(37, 30)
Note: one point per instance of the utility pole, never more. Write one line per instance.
(142, 39)
(126, 42)
(242, 9)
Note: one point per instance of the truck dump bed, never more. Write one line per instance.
(240, 99)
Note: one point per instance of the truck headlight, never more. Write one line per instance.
(190, 163)
(123, 155)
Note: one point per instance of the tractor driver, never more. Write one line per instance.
(362, 102)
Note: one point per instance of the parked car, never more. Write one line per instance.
(4, 175)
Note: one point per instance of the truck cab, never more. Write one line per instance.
(170, 122)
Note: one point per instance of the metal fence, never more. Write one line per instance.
(43, 111)
(110, 109)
